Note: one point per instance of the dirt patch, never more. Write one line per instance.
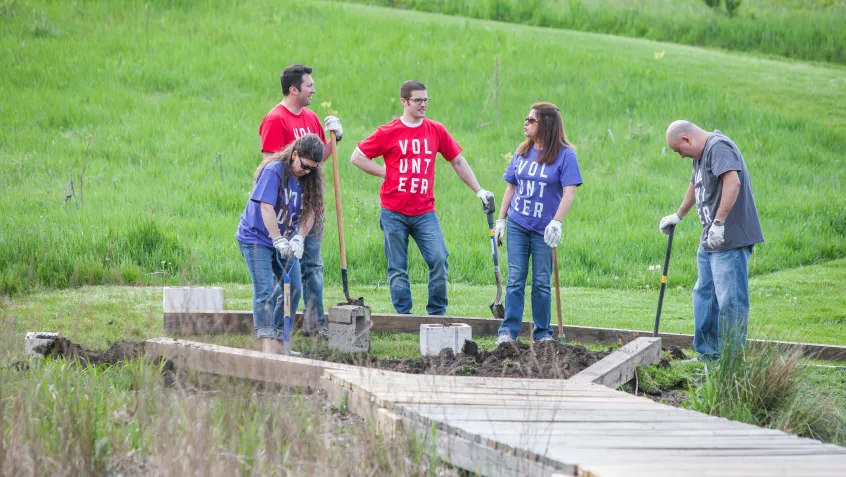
(544, 360)
(120, 351)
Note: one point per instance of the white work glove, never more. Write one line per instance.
(552, 233)
(331, 123)
(282, 246)
(716, 235)
(668, 221)
(297, 246)
(499, 231)
(485, 196)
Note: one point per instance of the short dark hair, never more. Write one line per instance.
(293, 76)
(409, 86)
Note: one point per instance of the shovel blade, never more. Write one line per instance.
(354, 301)
(498, 311)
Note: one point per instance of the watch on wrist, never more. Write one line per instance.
(719, 223)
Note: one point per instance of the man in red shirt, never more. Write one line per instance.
(409, 146)
(284, 124)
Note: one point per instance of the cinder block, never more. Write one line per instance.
(35, 339)
(349, 328)
(192, 299)
(434, 338)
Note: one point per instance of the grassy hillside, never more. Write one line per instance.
(170, 96)
(809, 30)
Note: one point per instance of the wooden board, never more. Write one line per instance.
(619, 367)
(241, 322)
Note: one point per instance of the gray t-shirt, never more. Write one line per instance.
(742, 226)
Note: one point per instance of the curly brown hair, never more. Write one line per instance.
(307, 147)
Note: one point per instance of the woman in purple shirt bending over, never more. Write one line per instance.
(285, 201)
(542, 179)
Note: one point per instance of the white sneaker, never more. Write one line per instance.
(545, 338)
(504, 338)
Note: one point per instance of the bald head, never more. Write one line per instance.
(686, 138)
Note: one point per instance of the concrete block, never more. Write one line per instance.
(35, 340)
(349, 328)
(436, 337)
(192, 299)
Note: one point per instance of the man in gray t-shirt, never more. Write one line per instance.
(721, 188)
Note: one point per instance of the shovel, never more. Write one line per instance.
(496, 307)
(339, 215)
(664, 279)
(558, 297)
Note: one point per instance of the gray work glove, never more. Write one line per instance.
(282, 246)
(552, 233)
(716, 234)
(668, 222)
(331, 123)
(499, 231)
(297, 246)
(485, 196)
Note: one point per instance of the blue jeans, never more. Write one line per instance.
(721, 300)
(268, 299)
(522, 244)
(311, 267)
(426, 231)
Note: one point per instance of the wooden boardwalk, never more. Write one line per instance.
(508, 426)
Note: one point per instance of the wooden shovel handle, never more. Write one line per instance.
(557, 292)
(338, 214)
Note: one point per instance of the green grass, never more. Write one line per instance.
(812, 30)
(805, 304)
(162, 90)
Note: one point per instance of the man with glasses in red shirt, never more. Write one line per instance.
(409, 146)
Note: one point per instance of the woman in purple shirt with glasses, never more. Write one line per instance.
(542, 179)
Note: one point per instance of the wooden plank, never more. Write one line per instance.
(241, 322)
(619, 367)
(241, 363)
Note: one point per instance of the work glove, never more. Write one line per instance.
(486, 197)
(716, 234)
(552, 233)
(331, 123)
(297, 246)
(668, 222)
(282, 246)
(499, 231)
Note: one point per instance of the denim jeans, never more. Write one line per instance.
(268, 299)
(521, 245)
(311, 267)
(426, 231)
(721, 300)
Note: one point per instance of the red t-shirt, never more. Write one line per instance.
(409, 153)
(281, 127)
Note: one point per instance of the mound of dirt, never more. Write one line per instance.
(120, 351)
(544, 360)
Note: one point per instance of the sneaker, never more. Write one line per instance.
(504, 338)
(322, 334)
(545, 338)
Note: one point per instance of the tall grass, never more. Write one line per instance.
(813, 31)
(170, 95)
(60, 418)
(766, 386)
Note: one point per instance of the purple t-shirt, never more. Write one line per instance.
(539, 187)
(251, 229)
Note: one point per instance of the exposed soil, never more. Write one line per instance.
(120, 351)
(544, 360)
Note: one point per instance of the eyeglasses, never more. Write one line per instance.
(419, 101)
(306, 166)
(531, 120)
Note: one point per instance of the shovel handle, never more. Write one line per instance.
(338, 211)
(557, 293)
(664, 280)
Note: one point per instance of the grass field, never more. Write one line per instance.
(170, 97)
(809, 30)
